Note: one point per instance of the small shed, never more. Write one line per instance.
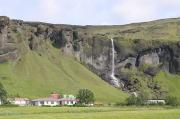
(156, 102)
(0, 102)
(20, 101)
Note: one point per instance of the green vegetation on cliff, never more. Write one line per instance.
(38, 58)
(169, 82)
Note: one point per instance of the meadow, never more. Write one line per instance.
(89, 113)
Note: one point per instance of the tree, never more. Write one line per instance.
(139, 100)
(85, 96)
(131, 100)
(3, 93)
(173, 101)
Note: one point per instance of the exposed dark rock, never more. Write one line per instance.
(152, 71)
(4, 21)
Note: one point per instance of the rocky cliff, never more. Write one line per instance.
(142, 50)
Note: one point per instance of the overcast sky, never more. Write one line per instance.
(89, 12)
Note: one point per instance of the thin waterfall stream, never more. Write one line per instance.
(115, 80)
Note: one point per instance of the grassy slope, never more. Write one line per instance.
(36, 76)
(169, 83)
(161, 30)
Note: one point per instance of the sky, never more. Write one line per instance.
(90, 12)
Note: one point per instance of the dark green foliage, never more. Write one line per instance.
(131, 100)
(75, 44)
(152, 71)
(8, 104)
(139, 100)
(172, 101)
(85, 96)
(57, 39)
(3, 93)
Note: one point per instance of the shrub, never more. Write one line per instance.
(9, 105)
(85, 96)
(139, 100)
(3, 94)
(173, 101)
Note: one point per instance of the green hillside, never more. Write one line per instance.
(34, 75)
(39, 58)
(169, 83)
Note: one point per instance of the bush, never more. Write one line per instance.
(140, 100)
(3, 94)
(79, 105)
(118, 104)
(172, 101)
(85, 96)
(131, 100)
(9, 105)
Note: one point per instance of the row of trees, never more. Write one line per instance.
(142, 99)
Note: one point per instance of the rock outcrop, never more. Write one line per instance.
(7, 49)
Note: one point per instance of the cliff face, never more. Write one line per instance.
(142, 49)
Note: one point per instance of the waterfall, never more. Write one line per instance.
(113, 52)
(115, 80)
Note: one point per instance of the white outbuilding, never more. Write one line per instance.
(0, 102)
(20, 101)
(156, 102)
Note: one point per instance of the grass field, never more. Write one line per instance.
(89, 113)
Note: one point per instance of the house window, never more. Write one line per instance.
(52, 102)
(42, 102)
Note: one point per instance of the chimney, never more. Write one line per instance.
(55, 95)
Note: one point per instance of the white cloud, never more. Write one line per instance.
(134, 11)
(49, 7)
(128, 11)
(73, 11)
(170, 2)
(90, 11)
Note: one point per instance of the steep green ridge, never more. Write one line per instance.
(36, 76)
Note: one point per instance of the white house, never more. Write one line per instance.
(68, 100)
(20, 101)
(156, 102)
(55, 100)
(46, 102)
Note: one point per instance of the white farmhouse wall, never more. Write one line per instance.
(46, 103)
